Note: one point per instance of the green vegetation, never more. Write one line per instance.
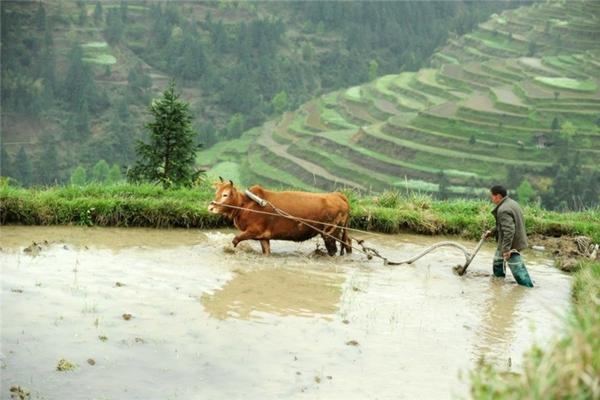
(479, 119)
(169, 158)
(102, 59)
(568, 83)
(567, 369)
(153, 206)
(482, 118)
(69, 68)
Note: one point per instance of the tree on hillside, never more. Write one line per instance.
(114, 174)
(47, 165)
(169, 156)
(280, 102)
(525, 192)
(373, 67)
(123, 7)
(591, 191)
(97, 13)
(78, 83)
(48, 67)
(100, 171)
(6, 165)
(443, 185)
(114, 26)
(40, 18)
(139, 84)
(78, 176)
(23, 168)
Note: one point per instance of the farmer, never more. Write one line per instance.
(511, 236)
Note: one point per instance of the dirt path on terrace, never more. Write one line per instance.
(266, 140)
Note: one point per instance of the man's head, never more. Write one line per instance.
(498, 193)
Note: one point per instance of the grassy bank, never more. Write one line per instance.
(153, 206)
(567, 369)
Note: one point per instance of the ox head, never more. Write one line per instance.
(225, 195)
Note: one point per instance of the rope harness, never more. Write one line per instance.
(368, 251)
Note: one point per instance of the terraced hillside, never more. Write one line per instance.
(494, 101)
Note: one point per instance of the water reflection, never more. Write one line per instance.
(497, 330)
(279, 291)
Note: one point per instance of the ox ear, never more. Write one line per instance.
(231, 182)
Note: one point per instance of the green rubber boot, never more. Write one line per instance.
(498, 265)
(519, 271)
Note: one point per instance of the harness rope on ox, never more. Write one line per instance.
(368, 251)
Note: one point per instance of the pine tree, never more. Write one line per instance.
(48, 67)
(98, 13)
(169, 156)
(6, 165)
(47, 165)
(40, 18)
(23, 168)
(114, 26)
(78, 83)
(443, 185)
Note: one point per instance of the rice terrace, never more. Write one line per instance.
(300, 200)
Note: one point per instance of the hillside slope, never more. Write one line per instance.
(78, 76)
(500, 104)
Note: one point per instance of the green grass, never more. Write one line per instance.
(354, 94)
(95, 45)
(445, 152)
(153, 206)
(229, 150)
(568, 83)
(333, 119)
(227, 170)
(499, 42)
(101, 59)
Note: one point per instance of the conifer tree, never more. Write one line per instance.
(169, 156)
(47, 165)
(23, 168)
(6, 167)
(98, 13)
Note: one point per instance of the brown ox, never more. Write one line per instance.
(326, 208)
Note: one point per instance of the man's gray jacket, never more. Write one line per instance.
(510, 226)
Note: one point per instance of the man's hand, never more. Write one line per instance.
(506, 255)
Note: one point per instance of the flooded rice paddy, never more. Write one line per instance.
(176, 314)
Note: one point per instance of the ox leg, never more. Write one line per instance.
(347, 242)
(330, 245)
(243, 236)
(266, 246)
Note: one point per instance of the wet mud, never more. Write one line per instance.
(156, 314)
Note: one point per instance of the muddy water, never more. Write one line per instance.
(211, 323)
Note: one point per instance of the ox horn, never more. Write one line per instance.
(221, 179)
(230, 181)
